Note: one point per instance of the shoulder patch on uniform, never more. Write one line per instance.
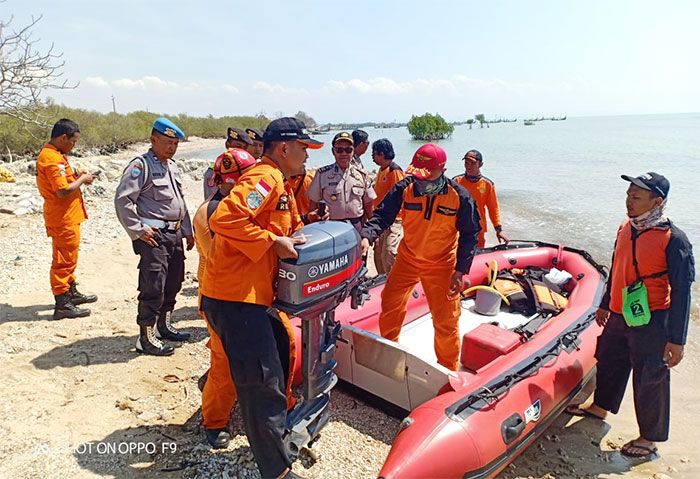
(262, 188)
(254, 200)
(136, 171)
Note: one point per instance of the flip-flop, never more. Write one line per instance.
(576, 410)
(646, 450)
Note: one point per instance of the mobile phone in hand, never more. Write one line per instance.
(96, 173)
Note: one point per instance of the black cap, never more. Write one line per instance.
(654, 182)
(343, 135)
(238, 134)
(477, 155)
(254, 134)
(290, 129)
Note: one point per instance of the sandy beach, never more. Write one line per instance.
(77, 400)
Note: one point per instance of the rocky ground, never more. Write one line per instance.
(78, 401)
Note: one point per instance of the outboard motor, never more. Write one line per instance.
(328, 269)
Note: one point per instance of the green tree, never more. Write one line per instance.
(470, 122)
(429, 127)
(481, 119)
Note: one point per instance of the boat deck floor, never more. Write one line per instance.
(417, 336)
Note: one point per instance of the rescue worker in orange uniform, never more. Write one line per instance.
(651, 251)
(256, 148)
(386, 246)
(235, 138)
(483, 191)
(440, 225)
(64, 210)
(300, 185)
(252, 231)
(218, 390)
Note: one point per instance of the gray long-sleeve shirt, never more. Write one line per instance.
(153, 190)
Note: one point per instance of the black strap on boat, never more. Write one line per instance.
(528, 330)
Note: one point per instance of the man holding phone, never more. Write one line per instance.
(64, 210)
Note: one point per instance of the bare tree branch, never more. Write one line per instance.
(26, 73)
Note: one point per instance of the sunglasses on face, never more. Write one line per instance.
(340, 149)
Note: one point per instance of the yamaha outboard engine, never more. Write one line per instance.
(328, 269)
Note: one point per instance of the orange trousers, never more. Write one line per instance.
(436, 283)
(219, 394)
(66, 243)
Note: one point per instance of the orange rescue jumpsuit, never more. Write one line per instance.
(386, 246)
(62, 216)
(483, 192)
(242, 266)
(439, 238)
(299, 185)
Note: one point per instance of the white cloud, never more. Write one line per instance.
(231, 88)
(97, 81)
(144, 83)
(277, 89)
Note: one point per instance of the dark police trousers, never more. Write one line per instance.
(622, 349)
(247, 335)
(161, 273)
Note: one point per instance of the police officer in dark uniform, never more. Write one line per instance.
(346, 188)
(151, 207)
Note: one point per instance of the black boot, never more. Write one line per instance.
(166, 330)
(66, 309)
(218, 438)
(148, 343)
(76, 297)
(202, 380)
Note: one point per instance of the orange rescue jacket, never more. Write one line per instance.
(53, 173)
(483, 192)
(242, 265)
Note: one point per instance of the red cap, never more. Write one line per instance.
(427, 159)
(230, 165)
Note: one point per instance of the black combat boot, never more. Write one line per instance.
(202, 381)
(218, 438)
(76, 297)
(166, 330)
(148, 343)
(66, 309)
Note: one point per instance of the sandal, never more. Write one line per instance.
(642, 451)
(577, 410)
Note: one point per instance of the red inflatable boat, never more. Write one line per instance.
(518, 372)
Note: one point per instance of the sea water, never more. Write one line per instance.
(559, 181)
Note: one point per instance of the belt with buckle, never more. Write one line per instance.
(162, 224)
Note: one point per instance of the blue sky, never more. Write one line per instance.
(374, 60)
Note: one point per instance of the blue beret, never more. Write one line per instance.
(166, 127)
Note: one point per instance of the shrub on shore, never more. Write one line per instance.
(111, 131)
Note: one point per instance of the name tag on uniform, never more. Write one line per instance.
(158, 174)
